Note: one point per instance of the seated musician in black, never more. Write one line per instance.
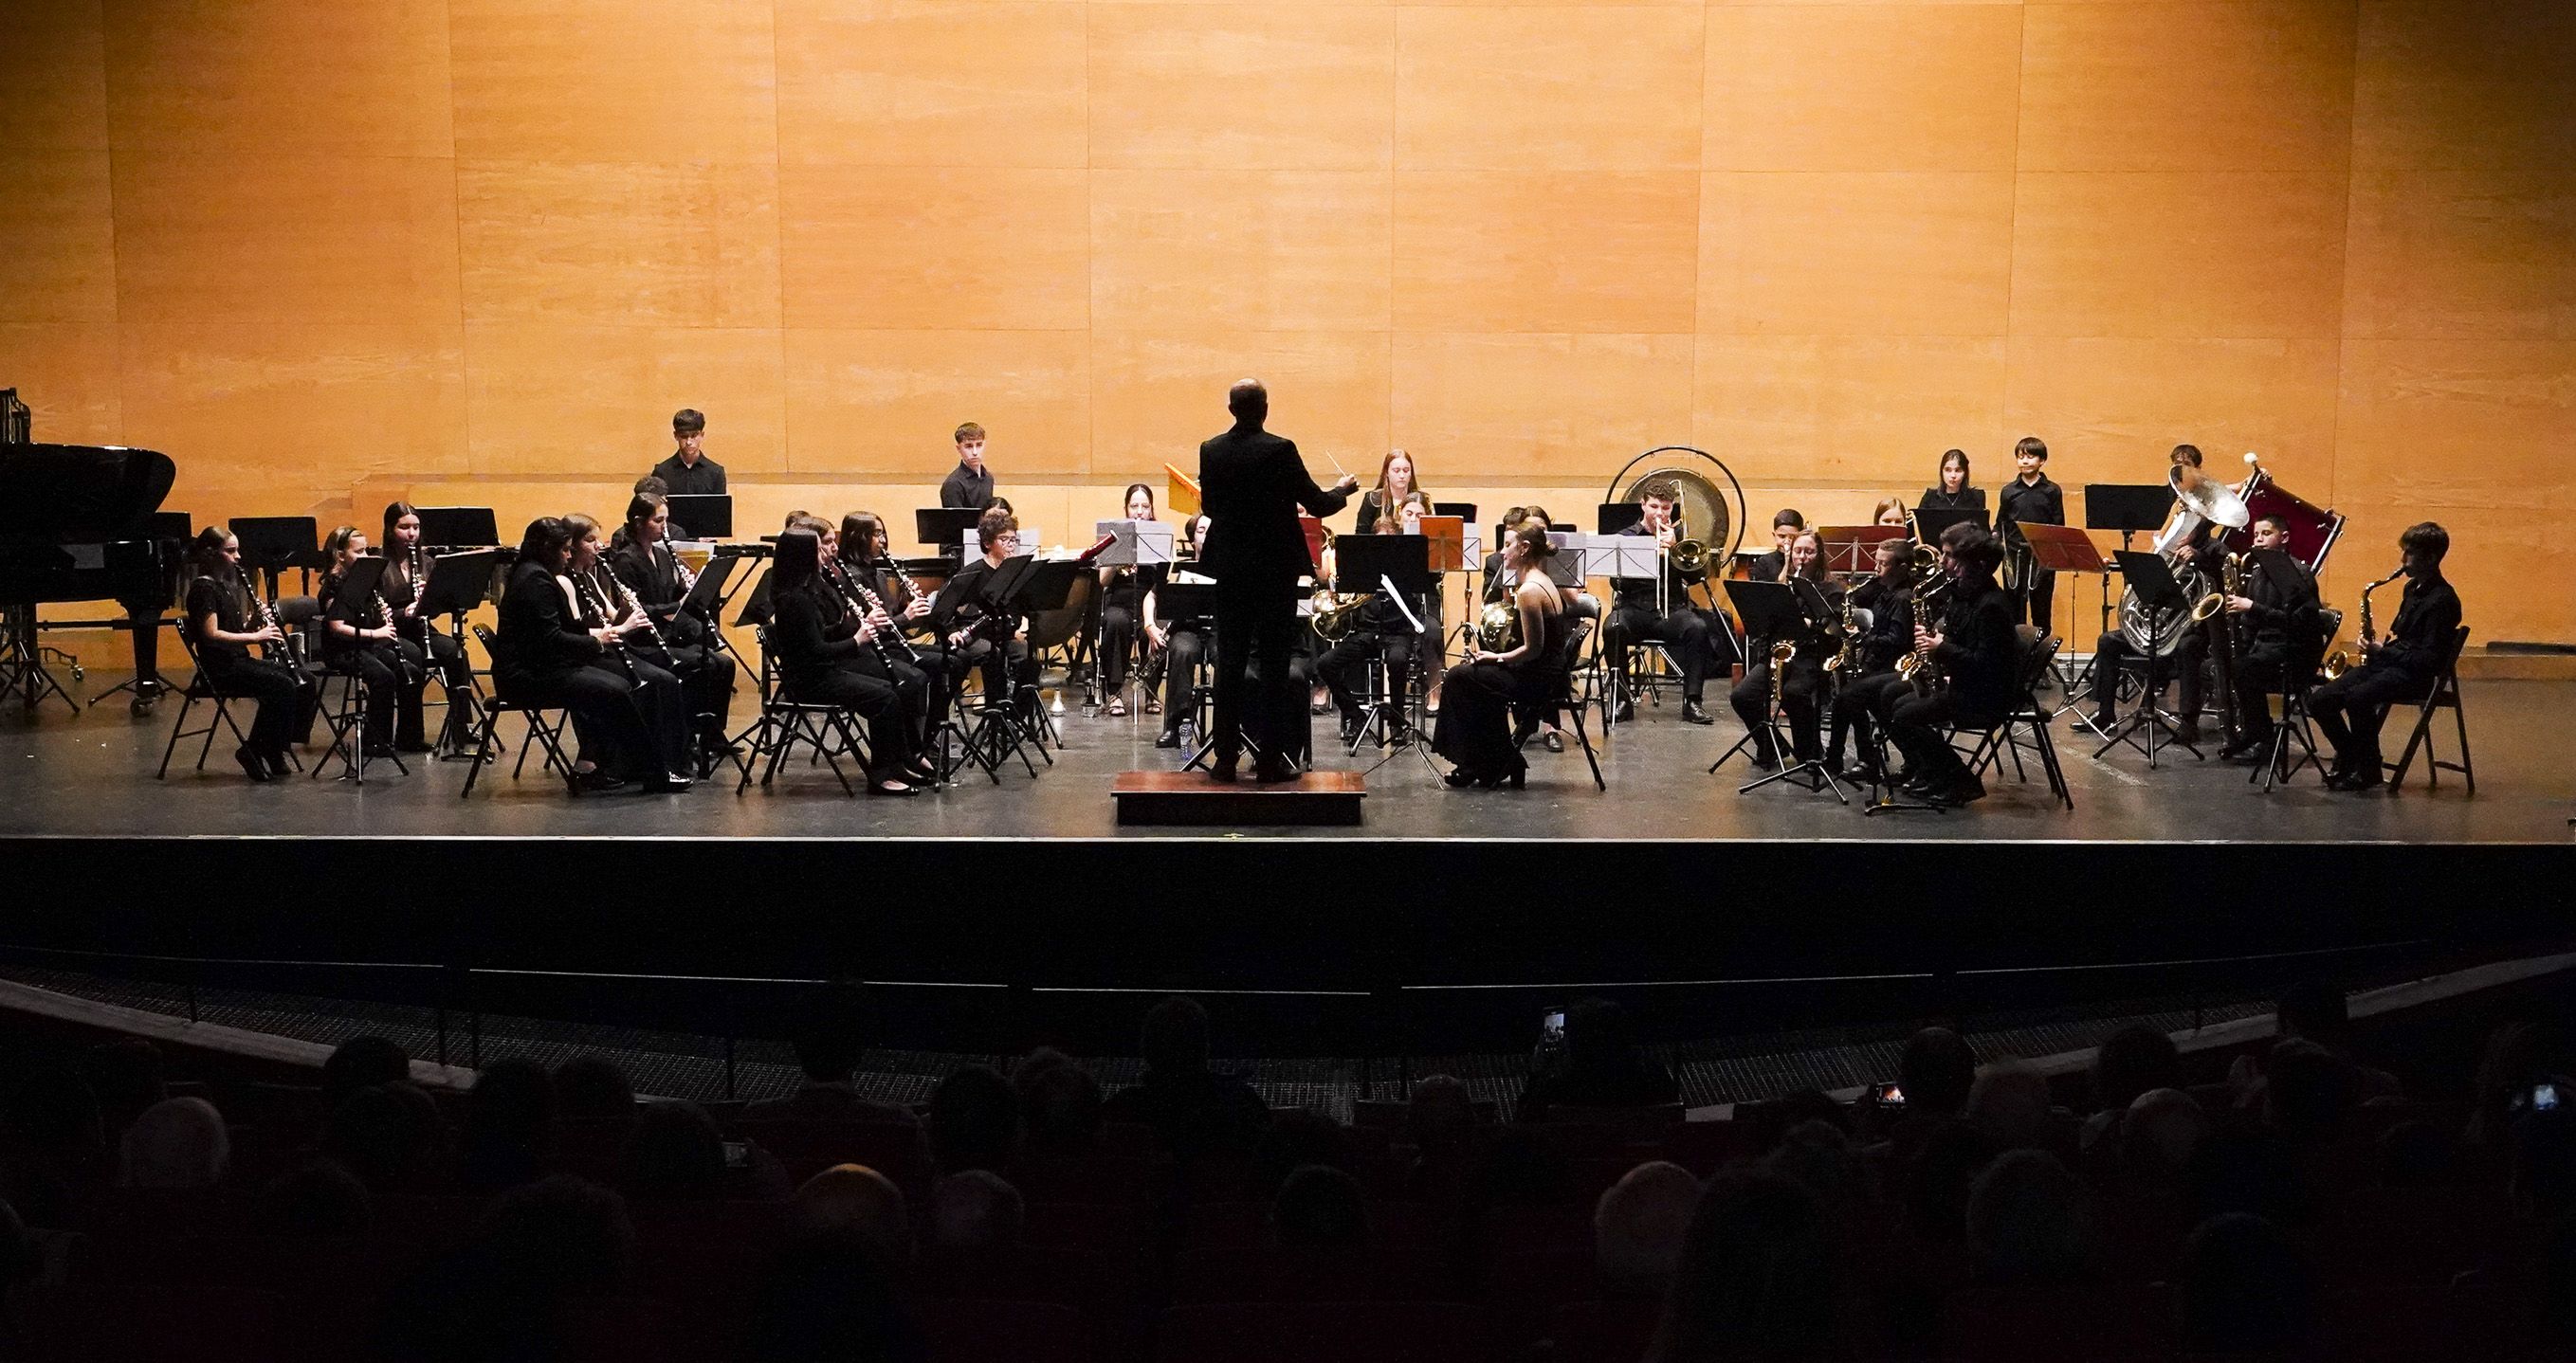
(1637, 617)
(222, 627)
(601, 602)
(922, 668)
(359, 635)
(1976, 651)
(979, 635)
(689, 472)
(819, 641)
(1548, 716)
(544, 656)
(2277, 629)
(2400, 669)
(681, 642)
(1863, 683)
(2195, 564)
(1474, 728)
(1804, 683)
(406, 579)
(885, 656)
(1787, 524)
(1378, 628)
(1126, 611)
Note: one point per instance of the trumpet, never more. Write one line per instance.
(2339, 662)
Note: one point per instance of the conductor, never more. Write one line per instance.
(1251, 484)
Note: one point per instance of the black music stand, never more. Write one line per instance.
(945, 528)
(272, 544)
(1610, 518)
(457, 584)
(1047, 586)
(708, 515)
(2158, 592)
(1367, 563)
(1465, 511)
(2127, 509)
(358, 582)
(1769, 611)
(457, 527)
(1930, 522)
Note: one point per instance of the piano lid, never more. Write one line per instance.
(65, 494)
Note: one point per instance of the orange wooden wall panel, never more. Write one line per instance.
(306, 245)
(54, 66)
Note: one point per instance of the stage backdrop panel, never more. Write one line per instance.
(327, 251)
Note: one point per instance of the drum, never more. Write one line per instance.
(2313, 529)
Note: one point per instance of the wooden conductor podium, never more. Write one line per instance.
(1189, 799)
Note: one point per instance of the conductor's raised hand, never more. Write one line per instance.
(1347, 484)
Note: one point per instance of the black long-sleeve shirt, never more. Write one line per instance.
(1979, 648)
(2283, 618)
(705, 478)
(1890, 632)
(965, 487)
(2421, 634)
(540, 636)
(653, 575)
(813, 633)
(1965, 499)
(1638, 593)
(2040, 503)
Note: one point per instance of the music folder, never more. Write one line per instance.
(2063, 548)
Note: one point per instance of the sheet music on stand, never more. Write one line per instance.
(1448, 536)
(1136, 543)
(1854, 548)
(1624, 556)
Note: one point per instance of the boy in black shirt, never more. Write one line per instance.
(689, 472)
(2030, 497)
(2401, 668)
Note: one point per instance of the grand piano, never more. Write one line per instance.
(84, 523)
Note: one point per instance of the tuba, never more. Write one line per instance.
(2201, 500)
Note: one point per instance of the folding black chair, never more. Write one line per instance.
(198, 689)
(1557, 683)
(2445, 695)
(2027, 721)
(545, 728)
(348, 723)
(826, 730)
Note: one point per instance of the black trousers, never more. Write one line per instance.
(1857, 708)
(1752, 696)
(2184, 666)
(706, 681)
(2037, 604)
(636, 729)
(396, 671)
(281, 698)
(2350, 709)
(1915, 724)
(1182, 656)
(1255, 630)
(913, 688)
(876, 701)
(1685, 629)
(1005, 667)
(2265, 671)
(1395, 646)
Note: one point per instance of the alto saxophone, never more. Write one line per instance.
(2339, 662)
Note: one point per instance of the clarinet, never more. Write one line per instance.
(589, 591)
(876, 603)
(268, 619)
(841, 583)
(651, 630)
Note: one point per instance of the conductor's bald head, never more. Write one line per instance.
(1248, 400)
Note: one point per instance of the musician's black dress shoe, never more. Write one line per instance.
(1272, 771)
(1169, 738)
(598, 779)
(1693, 714)
(252, 766)
(1222, 770)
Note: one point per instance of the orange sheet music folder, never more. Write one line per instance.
(1314, 540)
(1448, 536)
(1180, 492)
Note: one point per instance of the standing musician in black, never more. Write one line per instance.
(1955, 493)
(544, 655)
(1636, 616)
(359, 634)
(2402, 668)
(858, 556)
(1474, 730)
(1378, 628)
(1820, 601)
(221, 626)
(1252, 484)
(970, 484)
(2030, 498)
(1866, 682)
(1127, 610)
(689, 472)
(405, 581)
(1975, 649)
(993, 643)
(681, 642)
(820, 641)
(2277, 634)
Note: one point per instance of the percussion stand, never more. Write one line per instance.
(2157, 591)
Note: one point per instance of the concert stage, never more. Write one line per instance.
(1447, 918)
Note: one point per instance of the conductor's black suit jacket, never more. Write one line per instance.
(1251, 485)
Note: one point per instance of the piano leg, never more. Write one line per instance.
(143, 620)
